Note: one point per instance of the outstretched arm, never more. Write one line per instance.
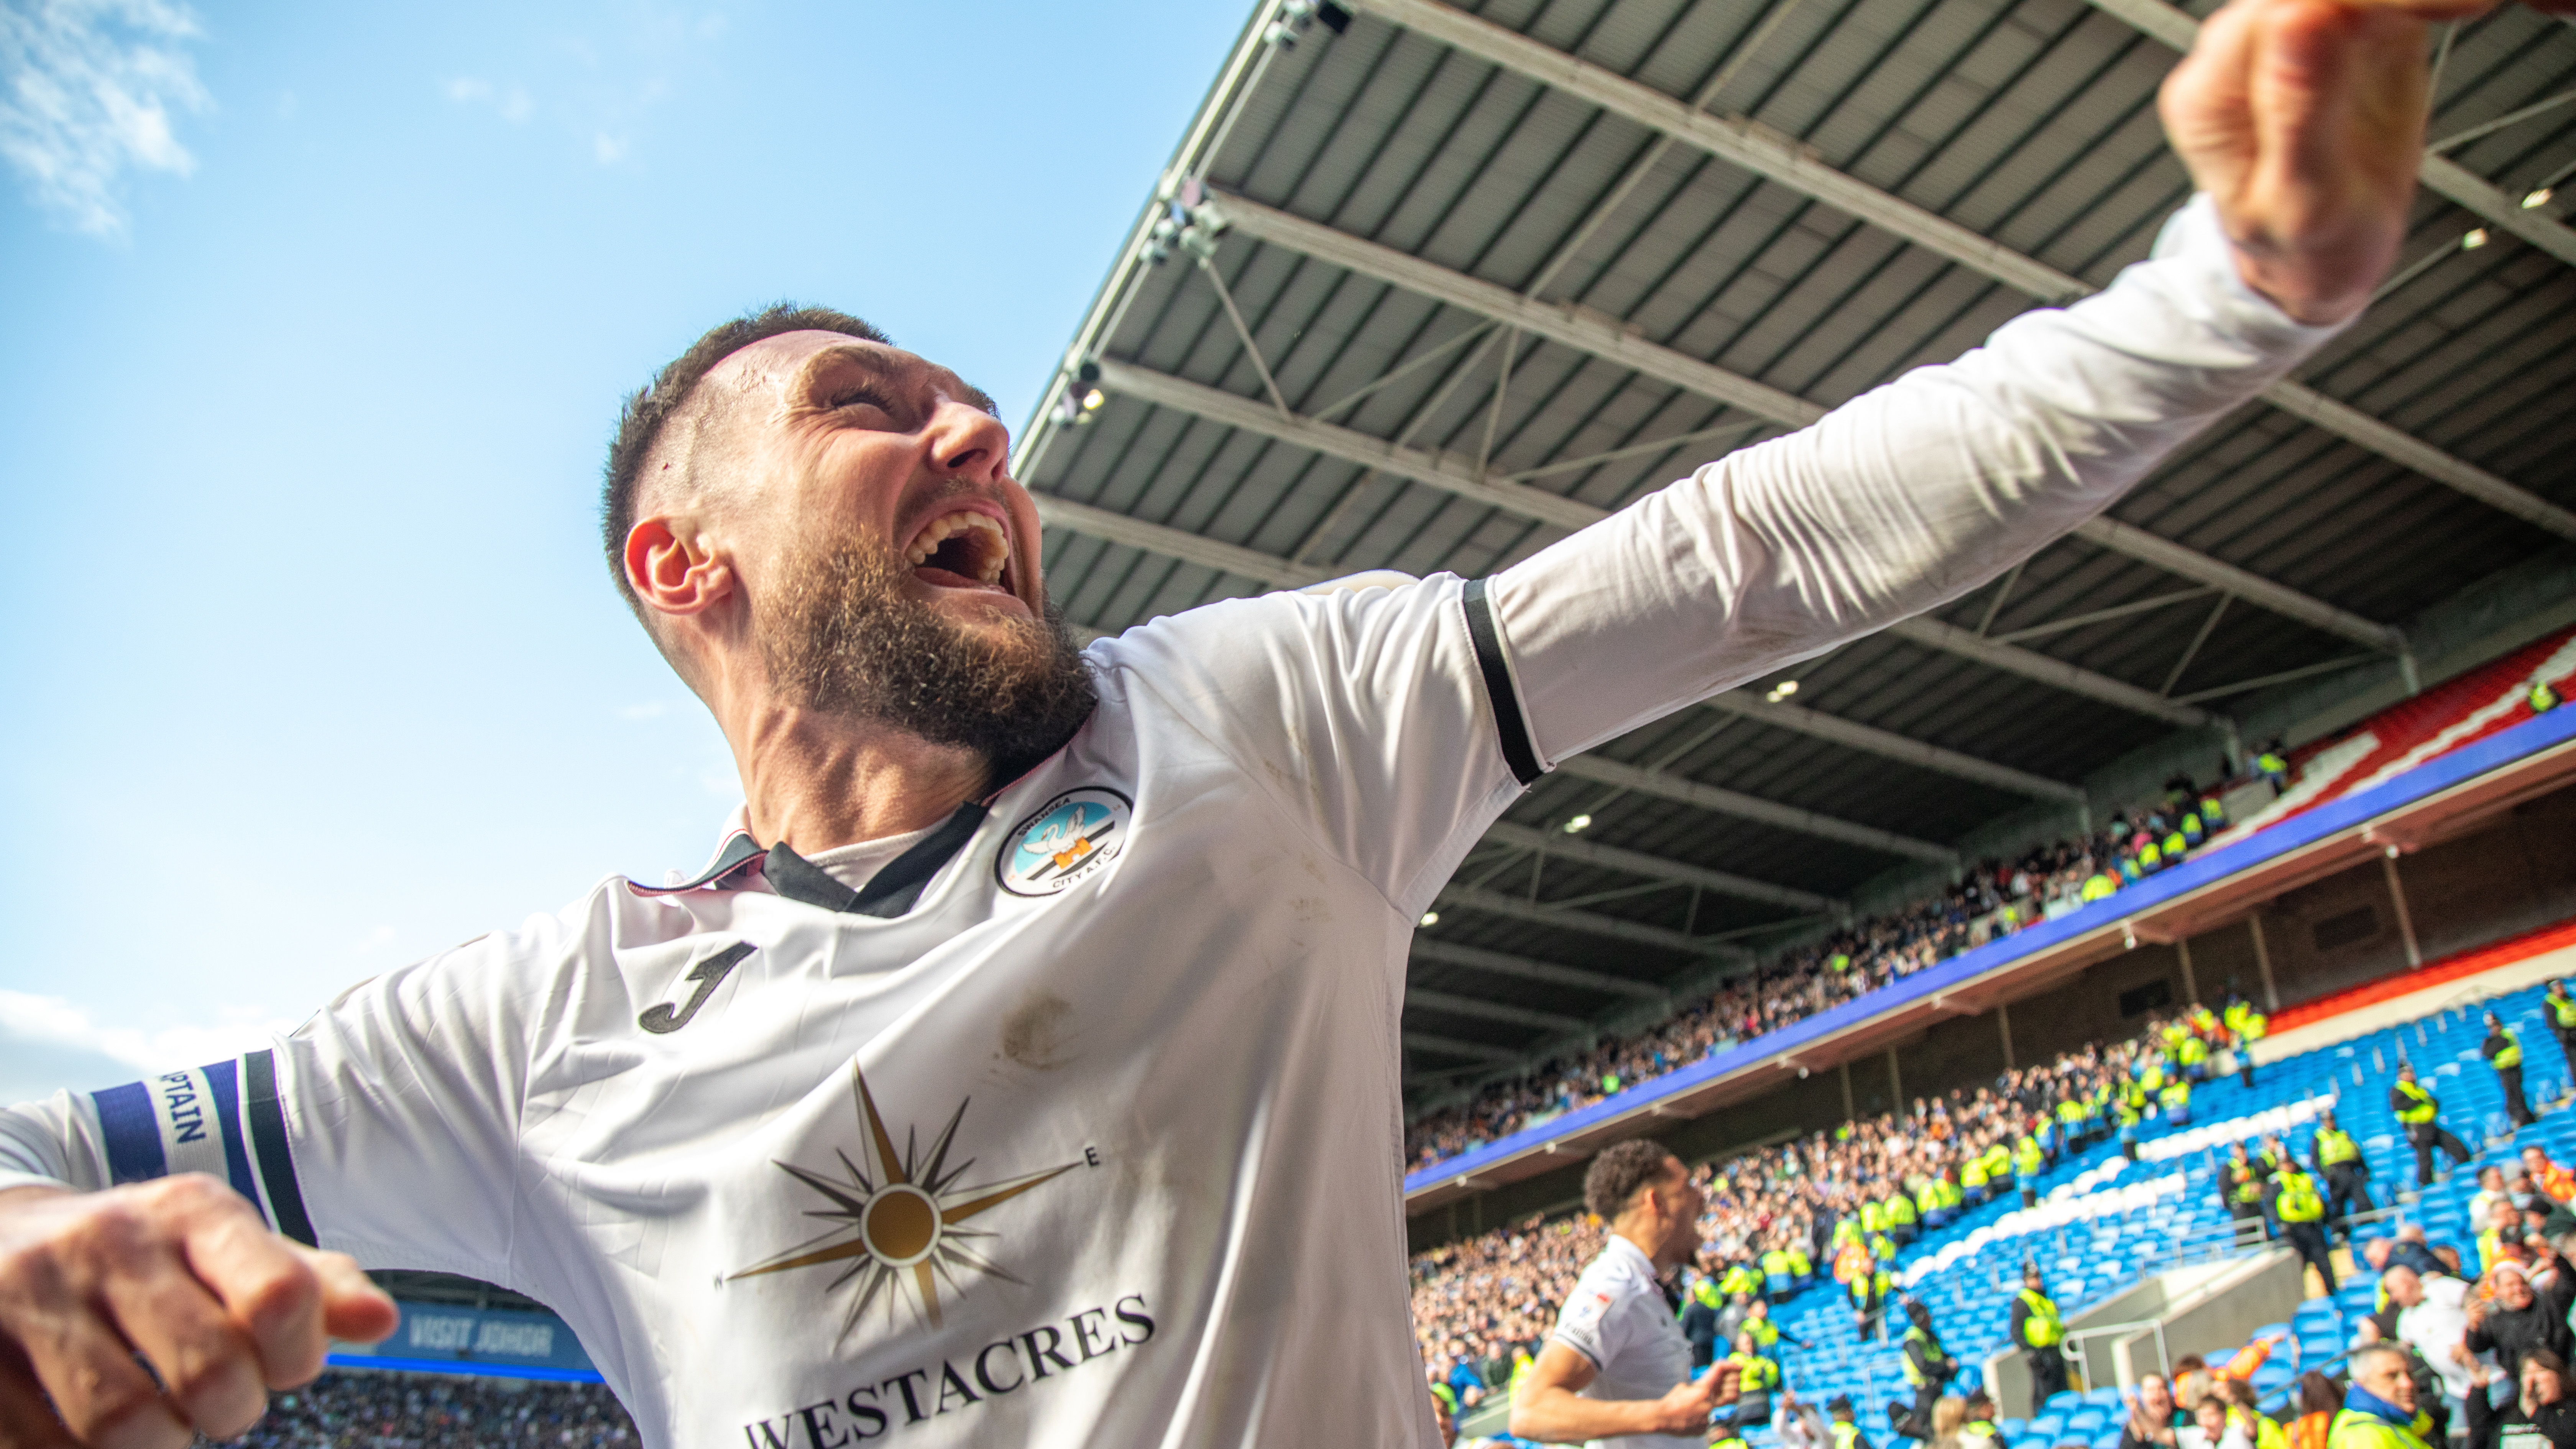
(2301, 122)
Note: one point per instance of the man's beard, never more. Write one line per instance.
(841, 637)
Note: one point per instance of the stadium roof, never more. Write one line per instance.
(1426, 286)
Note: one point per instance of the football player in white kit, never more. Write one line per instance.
(1023, 1069)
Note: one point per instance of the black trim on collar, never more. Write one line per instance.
(894, 889)
(1512, 731)
(739, 850)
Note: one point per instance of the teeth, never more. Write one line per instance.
(989, 556)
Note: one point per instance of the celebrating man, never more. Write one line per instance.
(1022, 1069)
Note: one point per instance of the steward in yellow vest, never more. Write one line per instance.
(2347, 1173)
(2302, 1211)
(2037, 1332)
(1847, 1435)
(2420, 1112)
(1898, 1213)
(2562, 1017)
(2028, 1162)
(2174, 1100)
(2503, 1051)
(2379, 1410)
(1928, 1369)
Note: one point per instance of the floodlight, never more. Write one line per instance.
(2474, 240)
(1782, 691)
(1431, 918)
(2537, 199)
(1578, 825)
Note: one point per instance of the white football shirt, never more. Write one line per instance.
(1096, 1141)
(1618, 1318)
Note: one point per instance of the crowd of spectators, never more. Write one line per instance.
(435, 1411)
(1483, 1305)
(1994, 898)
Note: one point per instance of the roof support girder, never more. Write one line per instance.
(1590, 923)
(1602, 336)
(1783, 159)
(1635, 862)
(1498, 963)
(1950, 638)
(1452, 476)
(1476, 1006)
(1450, 1046)
(1748, 807)
(1891, 745)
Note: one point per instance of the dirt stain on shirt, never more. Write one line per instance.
(1034, 1034)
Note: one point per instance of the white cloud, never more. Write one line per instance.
(511, 104)
(607, 150)
(87, 89)
(654, 710)
(52, 1021)
(380, 936)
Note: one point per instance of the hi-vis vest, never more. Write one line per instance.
(2026, 1157)
(2355, 1430)
(1979, 1431)
(2100, 885)
(1972, 1173)
(2298, 1202)
(2542, 698)
(2334, 1146)
(2042, 1329)
(2420, 1108)
(2175, 1096)
(1754, 1374)
(1914, 1378)
(2248, 1184)
(2511, 1055)
(2194, 1051)
(2564, 1008)
(1845, 1434)
(1872, 1217)
(1867, 1286)
(1900, 1209)
(1800, 1265)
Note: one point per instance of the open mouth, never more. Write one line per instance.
(962, 550)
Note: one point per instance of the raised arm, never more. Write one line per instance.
(2299, 119)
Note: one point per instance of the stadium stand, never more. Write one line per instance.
(2106, 1221)
(1998, 898)
(344, 1409)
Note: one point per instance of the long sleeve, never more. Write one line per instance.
(1900, 500)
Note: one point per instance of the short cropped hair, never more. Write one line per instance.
(650, 408)
(1614, 1178)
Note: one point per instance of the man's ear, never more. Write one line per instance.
(672, 570)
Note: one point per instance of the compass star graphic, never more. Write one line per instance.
(896, 1221)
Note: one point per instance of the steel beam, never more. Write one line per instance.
(1448, 474)
(1783, 159)
(1750, 807)
(1891, 745)
(1449, 1046)
(1226, 558)
(1217, 405)
(1497, 963)
(1478, 1006)
(1637, 862)
(1590, 923)
(1602, 336)
(2030, 664)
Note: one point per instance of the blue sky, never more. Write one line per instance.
(313, 664)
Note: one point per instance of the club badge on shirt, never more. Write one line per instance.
(1068, 839)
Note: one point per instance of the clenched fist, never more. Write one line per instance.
(182, 1271)
(2304, 121)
